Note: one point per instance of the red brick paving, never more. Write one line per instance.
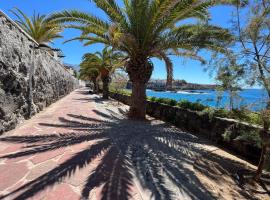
(16, 173)
(74, 150)
(11, 174)
(47, 156)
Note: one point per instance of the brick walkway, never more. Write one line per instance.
(83, 148)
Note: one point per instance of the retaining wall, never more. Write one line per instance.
(211, 127)
(30, 79)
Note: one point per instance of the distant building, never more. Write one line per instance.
(156, 84)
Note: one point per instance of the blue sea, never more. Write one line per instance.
(252, 99)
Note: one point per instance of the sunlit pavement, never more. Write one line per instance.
(82, 147)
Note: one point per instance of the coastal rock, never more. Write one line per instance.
(160, 85)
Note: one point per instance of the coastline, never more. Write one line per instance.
(252, 99)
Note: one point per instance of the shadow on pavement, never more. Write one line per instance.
(159, 156)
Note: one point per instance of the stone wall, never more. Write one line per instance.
(197, 123)
(30, 79)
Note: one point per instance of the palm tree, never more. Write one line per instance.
(38, 26)
(145, 29)
(105, 62)
(90, 74)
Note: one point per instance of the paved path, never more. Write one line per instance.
(84, 148)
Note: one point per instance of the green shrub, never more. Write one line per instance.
(167, 101)
(191, 106)
(251, 137)
(170, 102)
(159, 100)
(227, 135)
(221, 113)
(246, 116)
(153, 99)
(184, 104)
(123, 91)
(241, 115)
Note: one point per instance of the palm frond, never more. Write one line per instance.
(37, 26)
(76, 16)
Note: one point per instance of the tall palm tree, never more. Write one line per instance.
(145, 29)
(38, 26)
(105, 62)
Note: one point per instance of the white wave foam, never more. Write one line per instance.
(188, 92)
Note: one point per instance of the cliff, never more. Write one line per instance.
(179, 85)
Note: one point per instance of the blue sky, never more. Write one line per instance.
(192, 71)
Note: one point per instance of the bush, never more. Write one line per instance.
(247, 116)
(123, 92)
(170, 102)
(191, 106)
(251, 137)
(153, 99)
(241, 115)
(167, 101)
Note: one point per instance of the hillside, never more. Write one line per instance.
(160, 84)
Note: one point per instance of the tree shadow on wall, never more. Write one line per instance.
(159, 156)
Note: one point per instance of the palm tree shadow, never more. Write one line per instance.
(159, 157)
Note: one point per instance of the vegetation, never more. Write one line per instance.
(265, 144)
(228, 76)
(38, 27)
(167, 101)
(241, 115)
(145, 29)
(119, 81)
(253, 40)
(90, 74)
(105, 62)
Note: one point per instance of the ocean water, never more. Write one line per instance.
(252, 99)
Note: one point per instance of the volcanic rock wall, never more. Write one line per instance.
(30, 78)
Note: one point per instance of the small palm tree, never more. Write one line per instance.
(145, 29)
(38, 27)
(90, 74)
(105, 62)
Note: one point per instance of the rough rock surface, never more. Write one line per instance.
(50, 79)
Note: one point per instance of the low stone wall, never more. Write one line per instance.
(30, 79)
(212, 128)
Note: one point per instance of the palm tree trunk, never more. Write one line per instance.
(138, 100)
(169, 68)
(139, 71)
(95, 86)
(105, 81)
(169, 83)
